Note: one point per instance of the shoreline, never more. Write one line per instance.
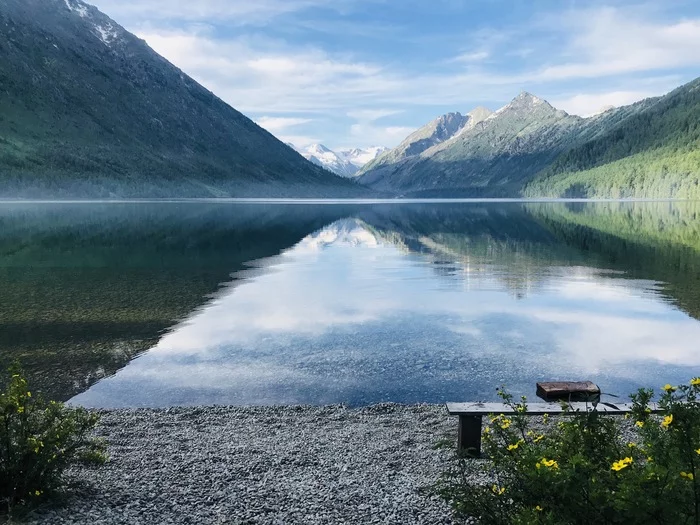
(263, 464)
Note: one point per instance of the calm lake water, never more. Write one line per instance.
(156, 304)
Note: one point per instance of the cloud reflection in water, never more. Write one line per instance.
(346, 316)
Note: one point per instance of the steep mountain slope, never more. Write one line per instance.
(653, 153)
(90, 110)
(435, 132)
(498, 155)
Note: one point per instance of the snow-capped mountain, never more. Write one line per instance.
(361, 156)
(345, 163)
(329, 159)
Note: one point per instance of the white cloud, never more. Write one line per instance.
(271, 77)
(610, 41)
(588, 104)
(370, 115)
(260, 75)
(275, 124)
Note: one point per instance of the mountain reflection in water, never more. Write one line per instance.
(146, 304)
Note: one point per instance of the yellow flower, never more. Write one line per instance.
(623, 463)
(20, 410)
(37, 493)
(650, 458)
(550, 463)
(487, 430)
(667, 421)
(513, 446)
(498, 491)
(545, 418)
(687, 475)
(640, 424)
(505, 424)
(695, 381)
(538, 508)
(631, 445)
(697, 450)
(626, 416)
(538, 438)
(29, 394)
(668, 388)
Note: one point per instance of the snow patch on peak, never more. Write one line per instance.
(318, 148)
(107, 33)
(78, 7)
(361, 156)
(328, 159)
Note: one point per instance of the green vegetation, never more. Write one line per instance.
(652, 153)
(38, 440)
(659, 241)
(87, 118)
(584, 469)
(662, 173)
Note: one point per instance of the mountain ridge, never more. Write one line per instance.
(501, 155)
(92, 111)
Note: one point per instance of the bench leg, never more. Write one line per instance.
(469, 435)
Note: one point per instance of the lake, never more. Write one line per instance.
(178, 303)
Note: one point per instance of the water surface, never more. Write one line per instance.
(156, 304)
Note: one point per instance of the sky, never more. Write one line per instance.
(356, 73)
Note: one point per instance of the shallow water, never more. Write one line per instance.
(156, 304)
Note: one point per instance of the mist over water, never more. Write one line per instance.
(156, 304)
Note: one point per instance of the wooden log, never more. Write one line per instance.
(568, 391)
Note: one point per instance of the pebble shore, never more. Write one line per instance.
(263, 465)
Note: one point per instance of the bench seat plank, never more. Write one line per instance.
(538, 409)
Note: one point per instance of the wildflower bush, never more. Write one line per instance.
(582, 467)
(38, 440)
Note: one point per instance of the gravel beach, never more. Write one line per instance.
(276, 465)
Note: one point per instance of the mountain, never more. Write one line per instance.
(653, 153)
(345, 163)
(361, 156)
(89, 110)
(497, 156)
(435, 132)
(328, 159)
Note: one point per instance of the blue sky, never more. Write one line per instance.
(352, 73)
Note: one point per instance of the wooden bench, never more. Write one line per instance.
(470, 415)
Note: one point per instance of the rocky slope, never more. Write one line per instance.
(90, 110)
(495, 156)
(435, 132)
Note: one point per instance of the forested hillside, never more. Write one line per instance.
(653, 153)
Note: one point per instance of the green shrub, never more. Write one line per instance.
(38, 440)
(581, 468)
